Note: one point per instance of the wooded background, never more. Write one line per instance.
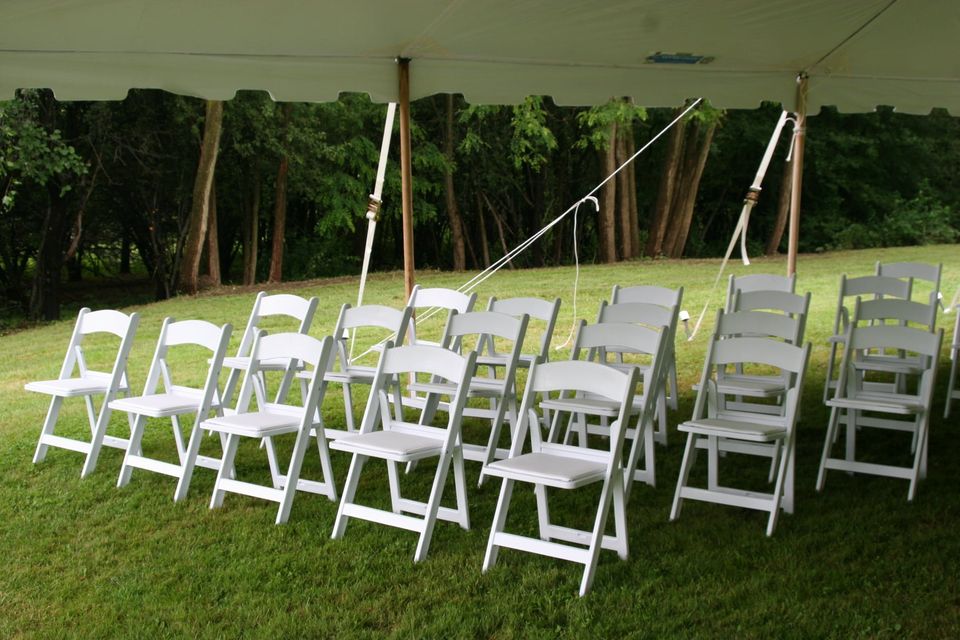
(192, 193)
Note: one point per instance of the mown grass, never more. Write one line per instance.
(82, 558)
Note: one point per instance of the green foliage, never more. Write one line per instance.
(595, 122)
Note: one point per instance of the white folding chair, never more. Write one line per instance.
(398, 441)
(851, 288)
(757, 282)
(86, 384)
(343, 368)
(633, 347)
(563, 466)
(498, 387)
(176, 400)
(537, 309)
(901, 409)
(654, 316)
(663, 297)
(266, 306)
(953, 391)
(714, 421)
(272, 419)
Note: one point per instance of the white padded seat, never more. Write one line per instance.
(899, 403)
(70, 387)
(160, 405)
(395, 445)
(738, 429)
(563, 472)
(255, 424)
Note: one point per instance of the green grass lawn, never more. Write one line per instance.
(82, 558)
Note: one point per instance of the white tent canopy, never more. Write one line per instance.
(857, 54)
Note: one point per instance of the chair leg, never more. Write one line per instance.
(326, 467)
(273, 462)
(951, 384)
(433, 505)
(48, 424)
(348, 407)
(713, 462)
(827, 444)
(851, 436)
(689, 452)
(393, 476)
(460, 486)
(596, 541)
(97, 441)
(661, 434)
(293, 475)
(919, 463)
(499, 523)
(674, 387)
(229, 453)
(778, 492)
(349, 491)
(133, 449)
(829, 377)
(620, 514)
(543, 511)
(188, 462)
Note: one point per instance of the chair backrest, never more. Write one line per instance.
(652, 315)
(595, 341)
(545, 311)
(281, 304)
(487, 327)
(912, 272)
(438, 298)
(750, 351)
(395, 322)
(876, 286)
(90, 322)
(313, 356)
(197, 333)
(757, 282)
(903, 312)
(648, 293)
(759, 324)
(398, 364)
(784, 302)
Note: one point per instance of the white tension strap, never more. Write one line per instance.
(749, 202)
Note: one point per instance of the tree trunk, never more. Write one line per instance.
(45, 295)
(608, 201)
(280, 206)
(696, 158)
(484, 243)
(213, 240)
(630, 148)
(125, 252)
(783, 209)
(665, 194)
(453, 211)
(200, 208)
(623, 197)
(251, 232)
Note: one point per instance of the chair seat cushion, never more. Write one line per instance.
(751, 385)
(393, 445)
(591, 406)
(354, 374)
(243, 363)
(70, 387)
(738, 429)
(545, 468)
(158, 405)
(879, 401)
(255, 424)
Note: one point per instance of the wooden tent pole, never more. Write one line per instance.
(406, 174)
(797, 178)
